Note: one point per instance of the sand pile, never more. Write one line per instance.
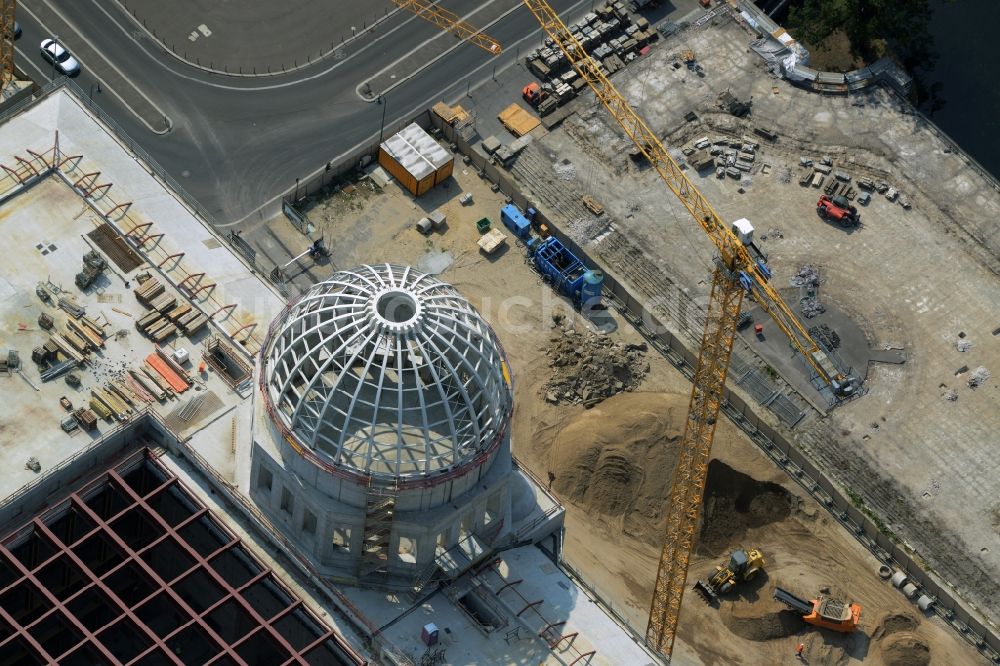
(734, 503)
(898, 643)
(905, 649)
(761, 620)
(617, 459)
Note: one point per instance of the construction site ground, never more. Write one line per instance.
(611, 464)
(917, 448)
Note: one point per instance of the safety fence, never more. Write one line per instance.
(300, 198)
(957, 613)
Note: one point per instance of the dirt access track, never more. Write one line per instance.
(611, 464)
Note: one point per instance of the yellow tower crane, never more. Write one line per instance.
(449, 21)
(739, 271)
(6, 42)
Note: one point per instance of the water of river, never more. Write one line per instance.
(967, 38)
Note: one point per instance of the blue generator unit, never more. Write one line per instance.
(515, 220)
(567, 273)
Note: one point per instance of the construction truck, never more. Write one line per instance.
(823, 611)
(534, 94)
(838, 209)
(743, 566)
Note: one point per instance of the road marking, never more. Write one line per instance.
(275, 86)
(427, 64)
(433, 60)
(425, 104)
(169, 123)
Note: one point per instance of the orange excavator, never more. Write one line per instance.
(823, 611)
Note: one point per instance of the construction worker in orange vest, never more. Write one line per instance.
(798, 650)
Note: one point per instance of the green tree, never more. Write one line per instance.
(872, 26)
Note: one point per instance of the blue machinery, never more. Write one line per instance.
(568, 275)
(558, 266)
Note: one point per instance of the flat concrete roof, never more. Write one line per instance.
(89, 148)
(45, 229)
(564, 606)
(47, 222)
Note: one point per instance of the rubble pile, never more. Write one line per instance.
(978, 377)
(825, 335)
(811, 307)
(587, 368)
(808, 276)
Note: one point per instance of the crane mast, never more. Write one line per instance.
(737, 273)
(449, 21)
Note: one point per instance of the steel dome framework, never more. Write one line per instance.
(387, 372)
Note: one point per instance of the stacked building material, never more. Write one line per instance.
(58, 370)
(86, 418)
(149, 319)
(79, 343)
(173, 364)
(100, 408)
(148, 384)
(93, 340)
(118, 389)
(155, 377)
(193, 322)
(163, 303)
(149, 290)
(67, 348)
(72, 307)
(117, 407)
(159, 364)
(161, 331)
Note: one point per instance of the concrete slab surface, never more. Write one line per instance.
(55, 218)
(464, 642)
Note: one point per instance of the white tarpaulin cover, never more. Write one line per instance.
(416, 151)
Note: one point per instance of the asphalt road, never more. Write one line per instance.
(238, 144)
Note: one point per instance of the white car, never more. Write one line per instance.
(60, 57)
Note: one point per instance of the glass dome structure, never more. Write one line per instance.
(388, 372)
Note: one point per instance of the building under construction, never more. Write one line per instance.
(248, 478)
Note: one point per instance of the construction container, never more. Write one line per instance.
(415, 159)
(514, 220)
